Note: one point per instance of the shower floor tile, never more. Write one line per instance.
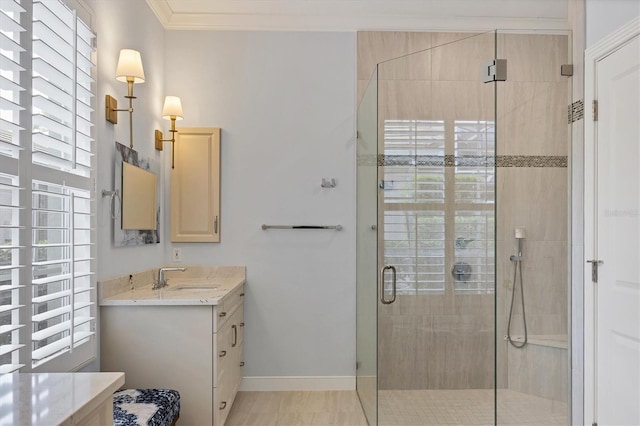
(467, 407)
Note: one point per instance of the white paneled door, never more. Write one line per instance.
(617, 235)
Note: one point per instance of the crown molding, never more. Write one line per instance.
(371, 23)
(162, 10)
(356, 15)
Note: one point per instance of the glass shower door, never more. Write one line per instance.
(461, 184)
(366, 251)
(436, 234)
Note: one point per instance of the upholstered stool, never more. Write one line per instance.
(146, 407)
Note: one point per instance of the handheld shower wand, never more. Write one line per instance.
(517, 259)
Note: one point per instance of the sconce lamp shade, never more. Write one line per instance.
(172, 108)
(130, 65)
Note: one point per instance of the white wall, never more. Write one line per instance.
(605, 16)
(125, 24)
(285, 103)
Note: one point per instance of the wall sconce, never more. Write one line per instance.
(172, 110)
(129, 70)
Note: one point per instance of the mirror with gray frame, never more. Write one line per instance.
(136, 179)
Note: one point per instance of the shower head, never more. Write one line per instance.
(520, 233)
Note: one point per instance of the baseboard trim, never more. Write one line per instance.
(298, 383)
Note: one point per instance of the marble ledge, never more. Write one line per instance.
(198, 285)
(54, 398)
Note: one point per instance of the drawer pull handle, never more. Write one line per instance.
(241, 294)
(242, 364)
(235, 336)
(241, 324)
(222, 314)
(223, 405)
(222, 353)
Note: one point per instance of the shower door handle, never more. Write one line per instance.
(393, 284)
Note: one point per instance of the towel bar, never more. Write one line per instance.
(336, 227)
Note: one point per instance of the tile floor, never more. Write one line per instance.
(397, 408)
(339, 408)
(467, 407)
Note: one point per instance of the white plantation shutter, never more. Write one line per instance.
(62, 95)
(425, 189)
(414, 242)
(10, 304)
(410, 146)
(61, 287)
(46, 181)
(414, 196)
(62, 290)
(475, 179)
(11, 75)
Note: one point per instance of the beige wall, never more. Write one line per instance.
(447, 340)
(532, 121)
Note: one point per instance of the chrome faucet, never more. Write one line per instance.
(162, 282)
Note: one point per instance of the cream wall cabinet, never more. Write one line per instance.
(195, 186)
(197, 350)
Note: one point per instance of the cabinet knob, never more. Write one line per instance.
(222, 314)
(223, 405)
(242, 364)
(241, 294)
(222, 353)
(241, 324)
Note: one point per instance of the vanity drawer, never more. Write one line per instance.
(227, 364)
(227, 307)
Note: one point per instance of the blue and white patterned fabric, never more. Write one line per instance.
(145, 407)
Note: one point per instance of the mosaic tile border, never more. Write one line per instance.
(557, 161)
(560, 161)
(576, 111)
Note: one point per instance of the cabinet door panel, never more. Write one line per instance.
(195, 186)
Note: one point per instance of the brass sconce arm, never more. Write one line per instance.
(159, 140)
(111, 110)
(172, 110)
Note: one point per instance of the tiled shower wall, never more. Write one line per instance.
(447, 341)
(532, 120)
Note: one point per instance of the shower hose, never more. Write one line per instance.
(517, 266)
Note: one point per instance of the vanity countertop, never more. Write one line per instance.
(198, 285)
(54, 398)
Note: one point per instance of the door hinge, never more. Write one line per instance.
(594, 108)
(357, 134)
(494, 70)
(357, 365)
(594, 269)
(566, 70)
(594, 424)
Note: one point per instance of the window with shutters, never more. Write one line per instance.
(47, 206)
(439, 189)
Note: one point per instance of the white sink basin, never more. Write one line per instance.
(192, 287)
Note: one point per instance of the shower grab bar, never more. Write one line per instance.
(393, 284)
(336, 227)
